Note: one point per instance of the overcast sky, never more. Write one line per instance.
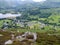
(39, 0)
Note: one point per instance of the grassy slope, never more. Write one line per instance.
(43, 38)
(1, 22)
(55, 18)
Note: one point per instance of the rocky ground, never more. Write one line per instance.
(42, 39)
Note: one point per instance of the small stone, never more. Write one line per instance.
(1, 35)
(8, 42)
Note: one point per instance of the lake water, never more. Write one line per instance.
(8, 15)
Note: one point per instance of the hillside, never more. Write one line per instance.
(46, 12)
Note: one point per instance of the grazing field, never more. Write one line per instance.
(2, 22)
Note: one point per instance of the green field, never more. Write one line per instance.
(1, 22)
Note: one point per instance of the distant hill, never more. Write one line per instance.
(30, 9)
(17, 3)
(52, 3)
